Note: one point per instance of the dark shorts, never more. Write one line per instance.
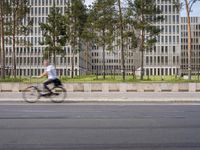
(56, 82)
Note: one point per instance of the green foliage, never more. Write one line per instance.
(88, 34)
(11, 80)
(145, 14)
(109, 79)
(103, 24)
(54, 34)
(75, 19)
(103, 21)
(18, 10)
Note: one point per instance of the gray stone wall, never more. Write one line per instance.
(113, 87)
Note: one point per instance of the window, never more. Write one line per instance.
(174, 49)
(166, 60)
(166, 49)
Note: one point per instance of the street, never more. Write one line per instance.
(99, 126)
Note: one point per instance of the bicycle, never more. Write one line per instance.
(32, 94)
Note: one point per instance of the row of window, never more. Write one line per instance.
(195, 54)
(160, 49)
(36, 72)
(32, 51)
(193, 67)
(170, 29)
(169, 9)
(41, 11)
(160, 60)
(130, 70)
(116, 61)
(193, 27)
(161, 71)
(194, 34)
(171, 19)
(193, 47)
(112, 68)
(193, 40)
(168, 39)
(194, 61)
(47, 2)
(37, 61)
(192, 19)
(165, 2)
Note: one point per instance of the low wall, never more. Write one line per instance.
(113, 87)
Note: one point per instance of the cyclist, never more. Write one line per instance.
(50, 72)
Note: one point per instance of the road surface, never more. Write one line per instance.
(99, 126)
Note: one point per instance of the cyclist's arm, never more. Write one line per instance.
(43, 74)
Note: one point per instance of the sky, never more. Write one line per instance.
(195, 12)
(88, 1)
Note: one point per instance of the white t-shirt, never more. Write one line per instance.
(51, 71)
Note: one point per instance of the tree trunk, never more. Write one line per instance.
(104, 64)
(104, 61)
(72, 75)
(189, 40)
(54, 58)
(142, 57)
(86, 58)
(142, 44)
(14, 41)
(54, 51)
(2, 44)
(122, 40)
(1, 57)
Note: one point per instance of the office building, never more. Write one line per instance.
(164, 57)
(195, 45)
(29, 58)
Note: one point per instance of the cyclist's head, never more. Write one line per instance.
(46, 62)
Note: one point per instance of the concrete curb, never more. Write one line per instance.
(150, 97)
(112, 87)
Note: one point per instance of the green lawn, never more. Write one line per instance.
(110, 79)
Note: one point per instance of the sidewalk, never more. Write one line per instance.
(116, 97)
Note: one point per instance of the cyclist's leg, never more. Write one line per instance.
(46, 83)
(57, 82)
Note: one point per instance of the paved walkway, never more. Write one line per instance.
(116, 97)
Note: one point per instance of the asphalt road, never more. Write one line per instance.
(99, 127)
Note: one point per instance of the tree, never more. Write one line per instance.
(122, 37)
(88, 36)
(4, 10)
(145, 14)
(54, 34)
(75, 19)
(188, 6)
(103, 19)
(126, 34)
(18, 13)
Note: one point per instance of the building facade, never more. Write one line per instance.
(113, 63)
(164, 57)
(195, 47)
(29, 58)
(167, 57)
(161, 59)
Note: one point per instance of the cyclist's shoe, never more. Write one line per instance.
(46, 94)
(56, 94)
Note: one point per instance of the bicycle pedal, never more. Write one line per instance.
(45, 95)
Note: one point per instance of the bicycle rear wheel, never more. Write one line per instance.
(59, 94)
(31, 94)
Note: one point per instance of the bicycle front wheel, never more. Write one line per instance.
(59, 95)
(31, 94)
